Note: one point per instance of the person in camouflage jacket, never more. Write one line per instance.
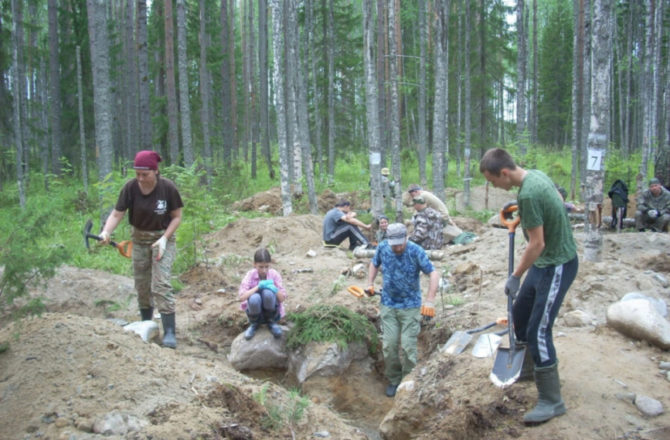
(653, 208)
(427, 225)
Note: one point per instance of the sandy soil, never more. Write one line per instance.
(67, 371)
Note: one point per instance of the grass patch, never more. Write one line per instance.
(278, 415)
(328, 323)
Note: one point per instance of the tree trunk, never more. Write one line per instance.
(17, 59)
(534, 97)
(382, 68)
(227, 91)
(263, 83)
(395, 106)
(130, 90)
(82, 128)
(599, 128)
(205, 96)
(586, 92)
(577, 91)
(54, 88)
(467, 124)
(279, 83)
(184, 105)
(170, 86)
(441, 97)
(521, 62)
(371, 111)
(316, 94)
(331, 91)
(423, 147)
(233, 77)
(145, 123)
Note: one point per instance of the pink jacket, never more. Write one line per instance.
(251, 280)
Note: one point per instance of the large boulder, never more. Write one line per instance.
(640, 319)
(262, 351)
(324, 359)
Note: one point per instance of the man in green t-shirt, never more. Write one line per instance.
(550, 258)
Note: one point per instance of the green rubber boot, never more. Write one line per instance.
(169, 337)
(527, 367)
(549, 402)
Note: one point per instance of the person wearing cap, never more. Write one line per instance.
(154, 211)
(427, 222)
(401, 261)
(431, 199)
(550, 260)
(340, 223)
(653, 208)
(383, 222)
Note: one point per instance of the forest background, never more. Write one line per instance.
(242, 95)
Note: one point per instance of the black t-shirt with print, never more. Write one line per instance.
(149, 212)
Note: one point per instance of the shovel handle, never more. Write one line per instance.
(125, 248)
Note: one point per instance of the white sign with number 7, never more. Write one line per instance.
(595, 159)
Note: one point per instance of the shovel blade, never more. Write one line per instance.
(486, 345)
(507, 366)
(457, 342)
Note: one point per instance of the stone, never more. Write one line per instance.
(324, 359)
(147, 330)
(638, 319)
(658, 304)
(577, 318)
(262, 351)
(648, 406)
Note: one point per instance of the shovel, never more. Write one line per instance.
(487, 344)
(509, 360)
(125, 248)
(461, 338)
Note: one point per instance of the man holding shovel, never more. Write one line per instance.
(551, 261)
(154, 206)
(401, 310)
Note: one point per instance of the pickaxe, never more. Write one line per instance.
(125, 247)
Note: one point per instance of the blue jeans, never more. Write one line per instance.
(262, 306)
(537, 305)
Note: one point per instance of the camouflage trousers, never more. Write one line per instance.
(152, 277)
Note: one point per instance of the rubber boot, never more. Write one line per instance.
(527, 367)
(275, 329)
(549, 402)
(169, 337)
(147, 314)
(254, 323)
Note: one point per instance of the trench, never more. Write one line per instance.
(357, 394)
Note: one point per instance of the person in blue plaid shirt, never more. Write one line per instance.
(401, 309)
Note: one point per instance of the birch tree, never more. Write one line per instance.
(331, 90)
(184, 104)
(441, 98)
(226, 95)
(130, 90)
(263, 77)
(279, 82)
(599, 127)
(371, 110)
(82, 128)
(467, 123)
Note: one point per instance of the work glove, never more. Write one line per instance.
(269, 285)
(160, 245)
(512, 285)
(370, 291)
(652, 213)
(427, 310)
(104, 237)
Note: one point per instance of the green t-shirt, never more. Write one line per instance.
(541, 205)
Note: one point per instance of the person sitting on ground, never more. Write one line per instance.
(341, 223)
(653, 208)
(427, 224)
(564, 195)
(262, 294)
(383, 221)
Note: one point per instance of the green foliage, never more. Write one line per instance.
(328, 323)
(26, 251)
(618, 166)
(280, 414)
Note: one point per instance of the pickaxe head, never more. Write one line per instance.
(87, 232)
